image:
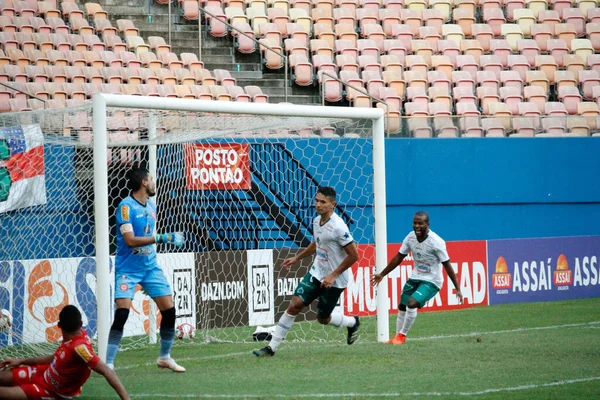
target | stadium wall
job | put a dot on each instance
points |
(473, 189)
(494, 188)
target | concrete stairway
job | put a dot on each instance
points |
(152, 19)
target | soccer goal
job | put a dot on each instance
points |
(239, 179)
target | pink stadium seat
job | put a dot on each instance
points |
(433, 18)
(75, 75)
(369, 63)
(373, 81)
(438, 79)
(541, 34)
(256, 94)
(325, 63)
(519, 64)
(511, 96)
(570, 97)
(394, 80)
(554, 108)
(494, 17)
(332, 89)
(536, 95)
(131, 76)
(368, 47)
(587, 81)
(493, 127)
(417, 94)
(39, 25)
(463, 95)
(36, 74)
(441, 96)
(237, 94)
(537, 78)
(501, 49)
(529, 49)
(575, 17)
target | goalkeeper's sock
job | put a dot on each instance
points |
(400, 320)
(341, 320)
(166, 341)
(283, 326)
(409, 319)
(114, 338)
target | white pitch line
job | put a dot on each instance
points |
(360, 395)
(436, 337)
(536, 328)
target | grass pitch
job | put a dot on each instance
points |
(524, 351)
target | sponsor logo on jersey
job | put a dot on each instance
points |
(125, 213)
(84, 353)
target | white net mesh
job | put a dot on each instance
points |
(241, 187)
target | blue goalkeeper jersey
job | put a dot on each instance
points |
(142, 219)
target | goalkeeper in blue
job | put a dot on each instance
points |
(135, 263)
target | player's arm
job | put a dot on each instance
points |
(452, 276)
(394, 262)
(351, 257)
(15, 362)
(111, 378)
(310, 250)
(125, 225)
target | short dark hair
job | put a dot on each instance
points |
(327, 191)
(135, 176)
(422, 214)
(69, 319)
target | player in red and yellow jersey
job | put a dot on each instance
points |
(62, 374)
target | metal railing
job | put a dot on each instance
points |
(360, 90)
(280, 54)
(24, 92)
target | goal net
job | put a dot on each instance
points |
(240, 185)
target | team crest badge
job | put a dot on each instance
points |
(124, 287)
(22, 374)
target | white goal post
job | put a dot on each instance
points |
(101, 103)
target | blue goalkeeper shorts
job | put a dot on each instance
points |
(153, 280)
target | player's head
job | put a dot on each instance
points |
(325, 200)
(69, 319)
(139, 178)
(421, 224)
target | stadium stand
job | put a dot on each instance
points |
(498, 59)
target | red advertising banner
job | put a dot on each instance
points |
(217, 166)
(468, 258)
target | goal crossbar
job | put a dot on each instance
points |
(101, 102)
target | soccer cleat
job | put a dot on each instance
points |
(264, 352)
(169, 363)
(398, 339)
(353, 331)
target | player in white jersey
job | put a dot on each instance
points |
(429, 254)
(327, 278)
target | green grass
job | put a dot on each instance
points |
(481, 360)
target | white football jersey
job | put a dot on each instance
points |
(428, 257)
(330, 238)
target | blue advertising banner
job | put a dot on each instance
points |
(548, 269)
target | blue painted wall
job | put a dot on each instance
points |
(495, 188)
(472, 189)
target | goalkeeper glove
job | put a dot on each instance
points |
(175, 238)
